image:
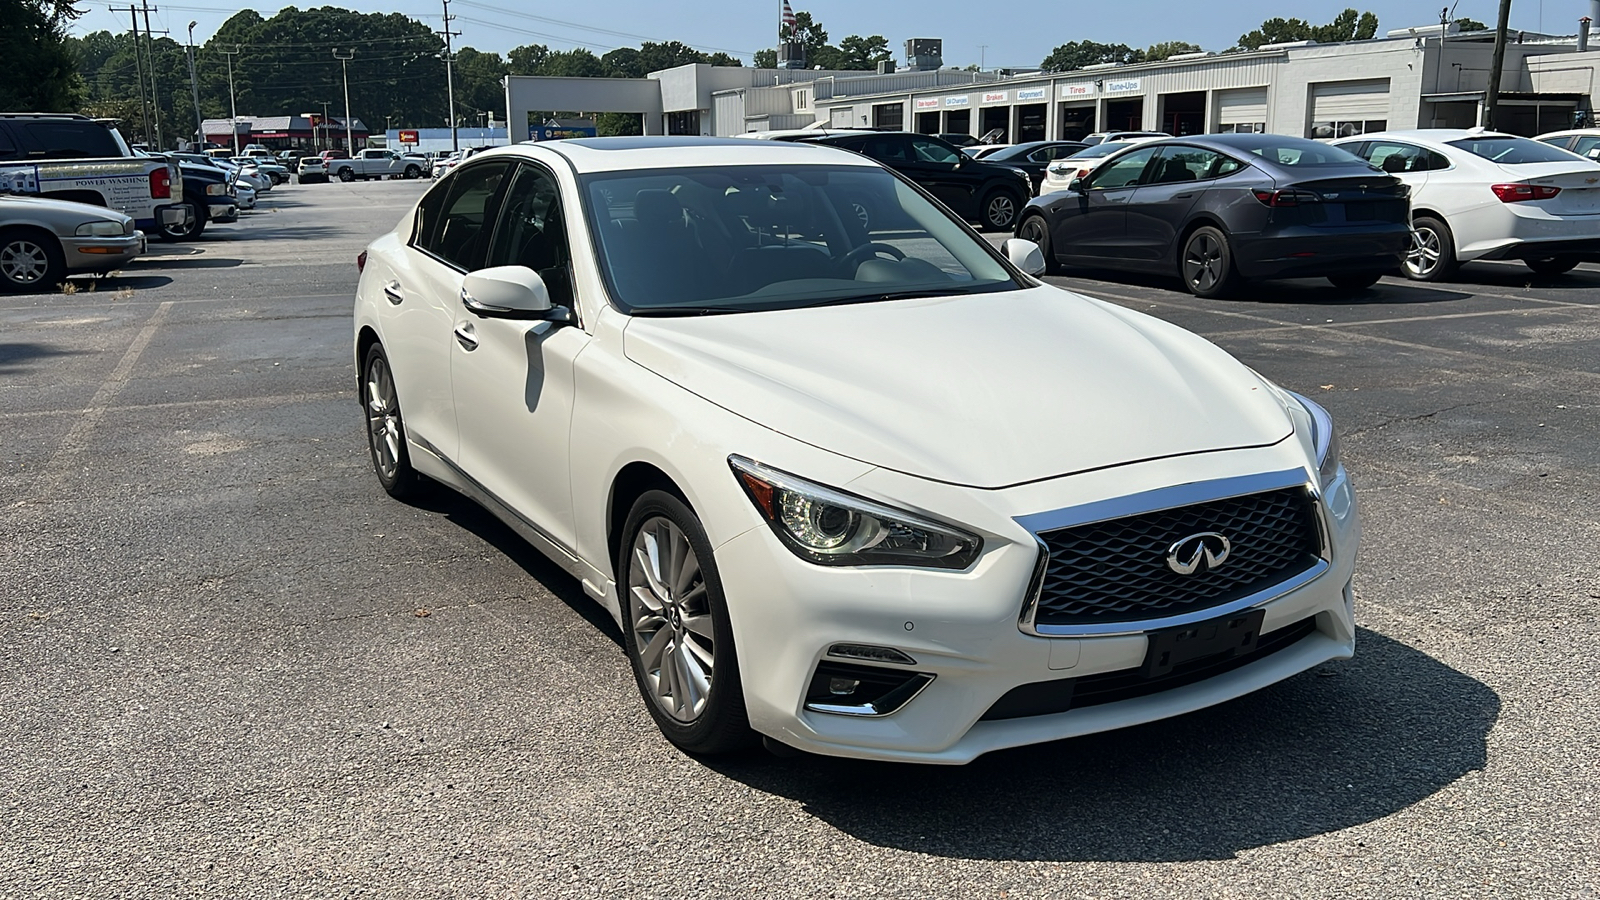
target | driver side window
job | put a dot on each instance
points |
(1123, 171)
(532, 233)
(930, 152)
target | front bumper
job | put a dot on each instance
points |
(962, 628)
(101, 254)
(223, 212)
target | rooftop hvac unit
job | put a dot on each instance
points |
(924, 54)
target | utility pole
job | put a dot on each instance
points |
(138, 65)
(155, 86)
(325, 140)
(344, 63)
(233, 109)
(194, 86)
(1498, 65)
(450, 76)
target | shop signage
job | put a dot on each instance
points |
(1127, 84)
(997, 97)
(927, 103)
(1034, 94)
(962, 100)
(1069, 91)
(408, 137)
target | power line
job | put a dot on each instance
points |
(582, 27)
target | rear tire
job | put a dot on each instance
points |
(347, 175)
(676, 630)
(30, 260)
(413, 172)
(1432, 256)
(1206, 263)
(1035, 228)
(1553, 265)
(1355, 281)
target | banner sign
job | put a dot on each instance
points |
(1069, 91)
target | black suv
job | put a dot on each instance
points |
(978, 191)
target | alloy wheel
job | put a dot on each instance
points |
(670, 614)
(24, 262)
(383, 418)
(1032, 230)
(1002, 211)
(1423, 257)
(1202, 262)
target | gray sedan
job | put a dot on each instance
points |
(42, 241)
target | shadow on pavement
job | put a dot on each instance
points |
(1305, 757)
(1518, 276)
(131, 282)
(1297, 290)
(17, 354)
(474, 518)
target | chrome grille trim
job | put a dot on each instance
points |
(1161, 499)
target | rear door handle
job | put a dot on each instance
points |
(467, 336)
(392, 291)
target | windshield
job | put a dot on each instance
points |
(1512, 151)
(745, 238)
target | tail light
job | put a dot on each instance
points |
(1290, 197)
(161, 184)
(361, 261)
(1520, 193)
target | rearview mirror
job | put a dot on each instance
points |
(1025, 255)
(510, 292)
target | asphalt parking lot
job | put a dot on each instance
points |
(231, 666)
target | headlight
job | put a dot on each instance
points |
(217, 189)
(832, 528)
(1323, 437)
(100, 229)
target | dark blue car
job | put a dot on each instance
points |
(1216, 210)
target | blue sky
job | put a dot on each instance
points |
(1019, 32)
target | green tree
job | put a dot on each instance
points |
(765, 59)
(478, 87)
(1168, 49)
(1349, 25)
(1466, 24)
(1077, 54)
(40, 70)
(864, 52)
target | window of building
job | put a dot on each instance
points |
(1327, 131)
(1243, 128)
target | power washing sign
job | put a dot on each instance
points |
(19, 179)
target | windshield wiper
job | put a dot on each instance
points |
(665, 311)
(894, 295)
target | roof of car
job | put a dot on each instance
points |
(1428, 135)
(609, 154)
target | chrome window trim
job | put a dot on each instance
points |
(1157, 500)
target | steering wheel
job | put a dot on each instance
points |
(850, 261)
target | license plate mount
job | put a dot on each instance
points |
(1223, 637)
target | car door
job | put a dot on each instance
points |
(1090, 226)
(512, 380)
(1178, 175)
(423, 297)
(944, 172)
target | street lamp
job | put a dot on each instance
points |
(233, 108)
(344, 63)
(194, 86)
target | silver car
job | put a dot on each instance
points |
(42, 241)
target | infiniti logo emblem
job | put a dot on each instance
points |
(1197, 552)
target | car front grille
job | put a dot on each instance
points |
(1116, 571)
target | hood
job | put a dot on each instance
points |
(19, 206)
(983, 390)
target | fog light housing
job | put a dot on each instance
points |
(843, 689)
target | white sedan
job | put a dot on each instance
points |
(1480, 195)
(1059, 175)
(877, 494)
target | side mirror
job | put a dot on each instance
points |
(1025, 255)
(1594, 153)
(510, 292)
(1076, 186)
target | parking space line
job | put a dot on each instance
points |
(237, 402)
(55, 473)
(351, 294)
(1438, 318)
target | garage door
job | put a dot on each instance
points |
(1343, 108)
(1243, 110)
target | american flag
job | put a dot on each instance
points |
(786, 27)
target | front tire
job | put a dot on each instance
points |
(30, 260)
(998, 211)
(1034, 228)
(1432, 256)
(676, 629)
(1207, 263)
(1553, 265)
(386, 428)
(197, 225)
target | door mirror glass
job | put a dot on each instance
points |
(506, 292)
(1076, 186)
(1025, 255)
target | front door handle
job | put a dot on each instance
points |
(467, 336)
(392, 291)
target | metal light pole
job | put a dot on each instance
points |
(233, 109)
(194, 86)
(344, 63)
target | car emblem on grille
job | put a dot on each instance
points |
(1208, 548)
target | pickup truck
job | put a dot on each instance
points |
(72, 157)
(374, 164)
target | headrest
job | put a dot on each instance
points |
(656, 207)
